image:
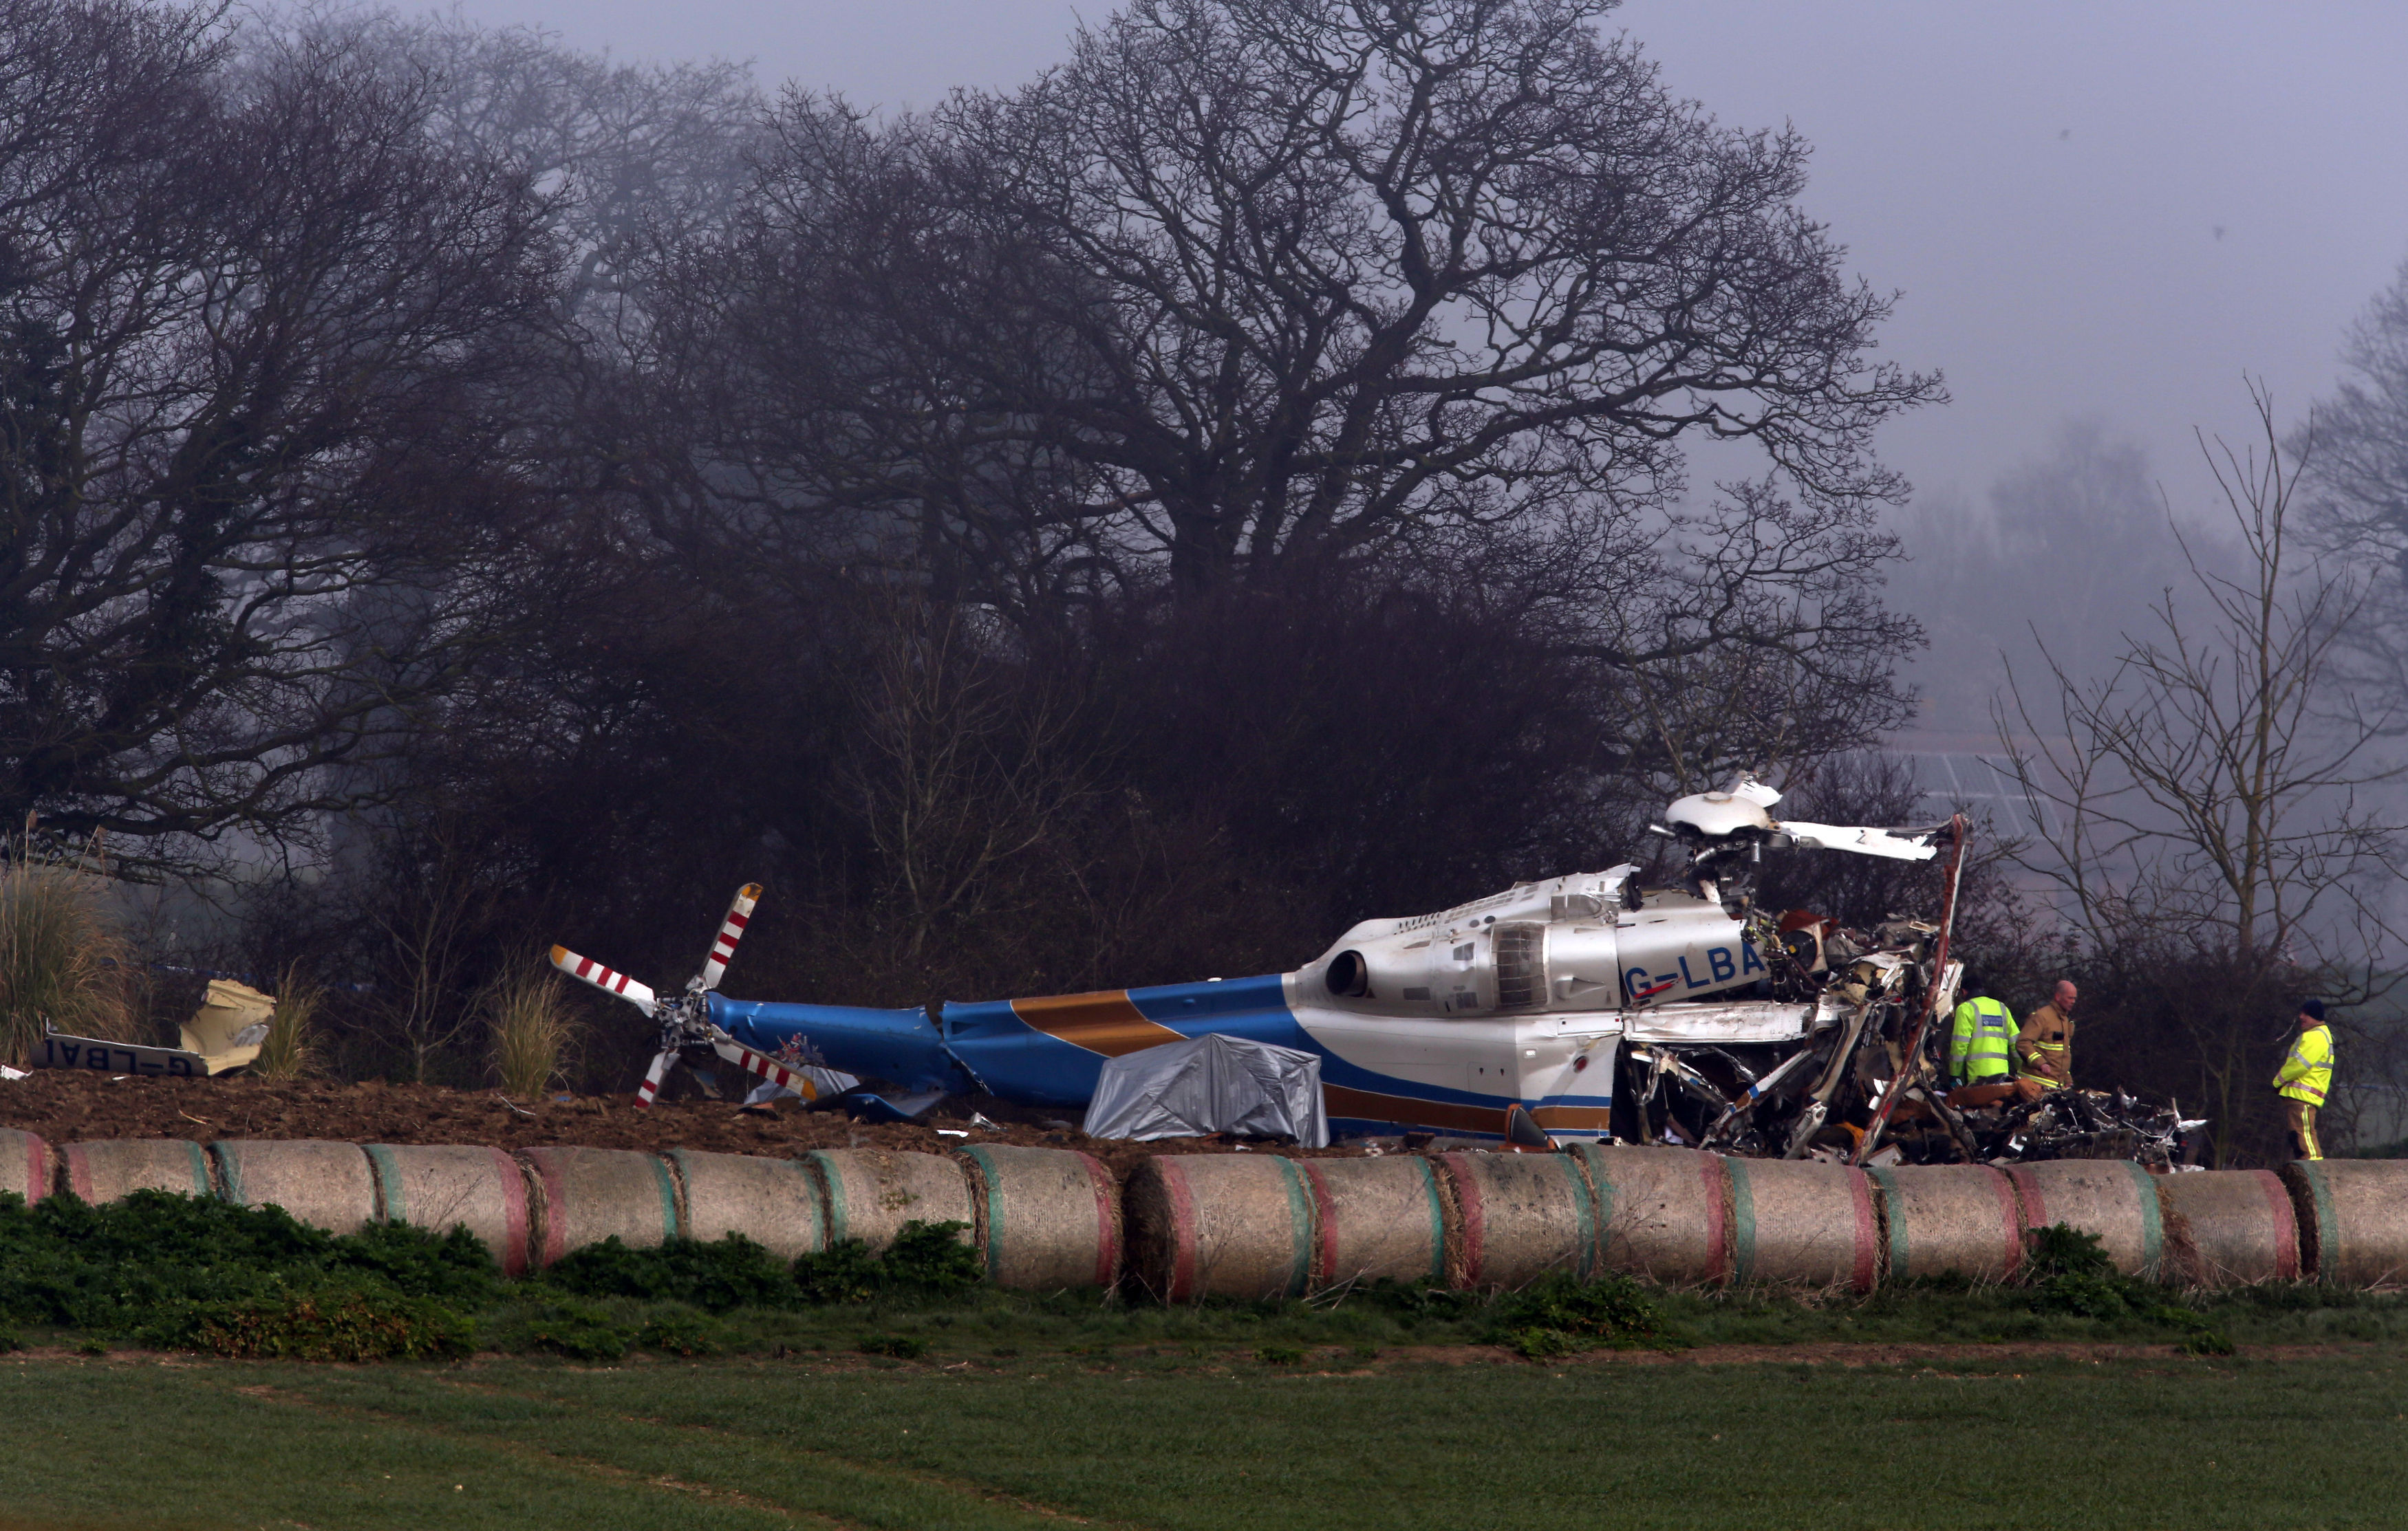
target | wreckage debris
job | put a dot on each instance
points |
(225, 1033)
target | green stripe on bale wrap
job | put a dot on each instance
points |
(1664, 1213)
(1521, 1216)
(324, 1184)
(2355, 1217)
(590, 1194)
(776, 1203)
(2112, 1199)
(1951, 1220)
(870, 1193)
(458, 1185)
(1376, 1219)
(1795, 1221)
(1219, 1225)
(2228, 1227)
(1051, 1215)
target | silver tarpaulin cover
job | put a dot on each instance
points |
(1213, 1084)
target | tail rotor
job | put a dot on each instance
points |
(686, 1028)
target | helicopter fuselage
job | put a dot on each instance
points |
(1437, 1022)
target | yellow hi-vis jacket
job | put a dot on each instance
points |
(1979, 1037)
(2307, 1073)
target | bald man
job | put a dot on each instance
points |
(2044, 1047)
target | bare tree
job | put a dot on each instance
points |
(1255, 284)
(2358, 487)
(628, 158)
(254, 336)
(960, 769)
(2210, 790)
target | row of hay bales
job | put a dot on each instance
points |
(1258, 1226)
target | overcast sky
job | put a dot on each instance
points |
(2094, 208)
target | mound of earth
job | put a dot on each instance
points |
(71, 1106)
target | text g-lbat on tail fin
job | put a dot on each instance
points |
(1592, 1005)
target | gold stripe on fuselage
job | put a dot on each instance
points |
(1105, 1023)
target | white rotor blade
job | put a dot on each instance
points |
(662, 1063)
(602, 978)
(731, 930)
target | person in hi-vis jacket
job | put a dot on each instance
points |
(2305, 1075)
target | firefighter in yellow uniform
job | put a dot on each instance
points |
(2044, 1047)
(2305, 1075)
(1981, 1038)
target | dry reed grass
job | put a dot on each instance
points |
(62, 962)
(527, 1010)
(291, 1044)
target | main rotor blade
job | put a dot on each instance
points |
(662, 1062)
(731, 930)
(602, 978)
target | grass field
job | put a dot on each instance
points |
(1202, 1440)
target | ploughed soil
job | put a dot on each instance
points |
(71, 1106)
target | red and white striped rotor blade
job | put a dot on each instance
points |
(650, 1088)
(602, 978)
(731, 930)
(806, 1081)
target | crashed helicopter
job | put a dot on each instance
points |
(1583, 1007)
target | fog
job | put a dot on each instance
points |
(2102, 216)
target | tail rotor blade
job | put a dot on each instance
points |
(808, 1080)
(662, 1062)
(731, 930)
(603, 978)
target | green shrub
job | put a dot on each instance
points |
(927, 1259)
(2207, 1341)
(453, 1265)
(291, 1045)
(683, 1331)
(527, 1011)
(144, 1261)
(1280, 1355)
(336, 1322)
(1612, 1311)
(1533, 1343)
(580, 1331)
(2070, 1273)
(1422, 1299)
(724, 1274)
(901, 1347)
(177, 1270)
(2062, 1249)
